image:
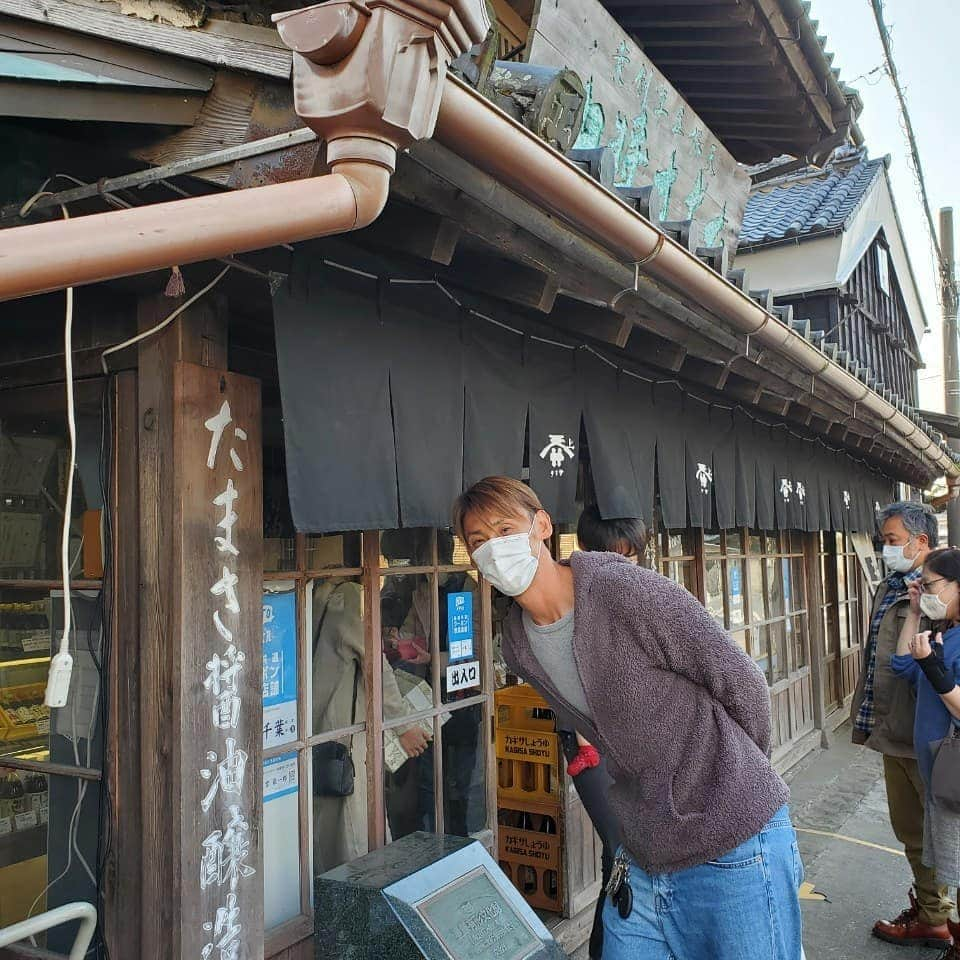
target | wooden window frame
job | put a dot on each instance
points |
(370, 575)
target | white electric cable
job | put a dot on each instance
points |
(163, 323)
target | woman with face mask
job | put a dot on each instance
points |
(933, 669)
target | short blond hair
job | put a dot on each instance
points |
(494, 495)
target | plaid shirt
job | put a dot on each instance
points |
(896, 585)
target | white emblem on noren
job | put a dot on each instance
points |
(558, 449)
(704, 477)
(846, 499)
(786, 489)
(801, 492)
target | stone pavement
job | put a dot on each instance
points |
(850, 855)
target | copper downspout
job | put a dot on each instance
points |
(49, 256)
(474, 128)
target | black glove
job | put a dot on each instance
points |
(934, 669)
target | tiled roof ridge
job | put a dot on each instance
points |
(811, 202)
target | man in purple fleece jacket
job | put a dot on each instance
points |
(682, 716)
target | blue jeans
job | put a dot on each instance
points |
(741, 906)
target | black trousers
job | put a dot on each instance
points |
(592, 787)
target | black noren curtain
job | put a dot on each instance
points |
(422, 326)
(496, 401)
(766, 472)
(671, 458)
(555, 410)
(699, 462)
(724, 467)
(746, 470)
(608, 412)
(335, 389)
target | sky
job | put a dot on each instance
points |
(925, 50)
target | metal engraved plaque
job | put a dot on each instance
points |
(473, 921)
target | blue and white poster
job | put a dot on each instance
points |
(279, 668)
(460, 625)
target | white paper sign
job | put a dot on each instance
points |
(26, 820)
(462, 676)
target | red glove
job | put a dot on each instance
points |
(586, 758)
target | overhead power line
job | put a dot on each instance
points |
(944, 272)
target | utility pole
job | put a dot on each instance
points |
(951, 364)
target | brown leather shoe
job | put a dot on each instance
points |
(909, 931)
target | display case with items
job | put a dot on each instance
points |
(24, 662)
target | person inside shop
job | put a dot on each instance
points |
(882, 716)
(628, 538)
(931, 669)
(339, 700)
(708, 865)
(463, 782)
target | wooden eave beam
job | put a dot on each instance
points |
(506, 279)
(691, 36)
(414, 231)
(667, 16)
(590, 320)
(794, 55)
(692, 56)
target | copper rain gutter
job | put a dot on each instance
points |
(370, 78)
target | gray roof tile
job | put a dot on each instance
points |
(809, 203)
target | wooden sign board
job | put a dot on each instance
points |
(654, 135)
(219, 542)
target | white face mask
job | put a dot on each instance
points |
(893, 557)
(932, 607)
(508, 562)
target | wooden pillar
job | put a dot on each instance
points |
(811, 567)
(122, 880)
(373, 683)
(200, 643)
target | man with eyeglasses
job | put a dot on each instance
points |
(882, 715)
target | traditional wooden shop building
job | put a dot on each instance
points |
(524, 268)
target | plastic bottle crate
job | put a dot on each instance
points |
(528, 766)
(522, 708)
(530, 852)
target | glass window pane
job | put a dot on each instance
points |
(740, 639)
(339, 822)
(711, 545)
(841, 568)
(757, 606)
(280, 723)
(798, 585)
(844, 629)
(281, 840)
(24, 814)
(714, 590)
(754, 543)
(800, 640)
(567, 543)
(406, 620)
(464, 772)
(279, 554)
(459, 641)
(758, 649)
(771, 543)
(408, 780)
(675, 544)
(682, 572)
(778, 645)
(460, 556)
(774, 588)
(732, 543)
(735, 593)
(34, 460)
(333, 551)
(407, 548)
(337, 651)
(30, 623)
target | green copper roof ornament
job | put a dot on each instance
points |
(664, 180)
(714, 227)
(591, 133)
